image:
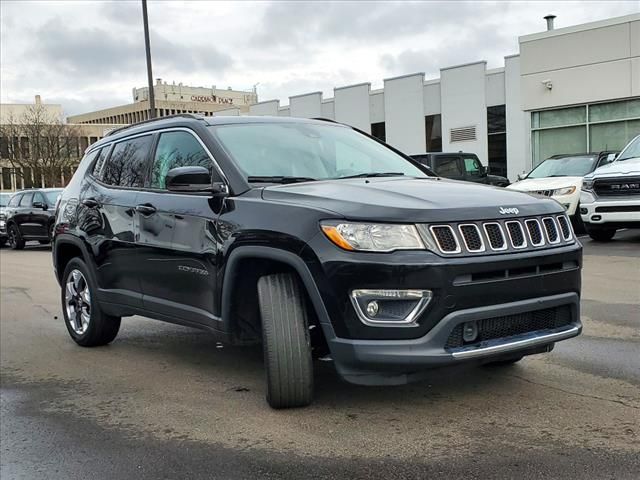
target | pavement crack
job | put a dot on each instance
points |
(569, 392)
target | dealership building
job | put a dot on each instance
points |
(568, 90)
(172, 99)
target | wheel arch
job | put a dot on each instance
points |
(67, 247)
(248, 263)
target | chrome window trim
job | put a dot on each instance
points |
(542, 235)
(505, 245)
(482, 247)
(453, 232)
(555, 225)
(524, 236)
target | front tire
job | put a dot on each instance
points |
(601, 234)
(87, 324)
(16, 242)
(286, 341)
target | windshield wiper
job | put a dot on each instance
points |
(376, 174)
(279, 179)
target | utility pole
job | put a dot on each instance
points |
(147, 47)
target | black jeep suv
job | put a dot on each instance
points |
(315, 240)
(29, 215)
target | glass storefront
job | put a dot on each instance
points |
(586, 128)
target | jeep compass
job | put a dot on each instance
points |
(314, 240)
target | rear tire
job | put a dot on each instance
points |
(286, 342)
(601, 234)
(87, 324)
(16, 242)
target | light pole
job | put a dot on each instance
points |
(147, 47)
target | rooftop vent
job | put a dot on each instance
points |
(549, 18)
(462, 134)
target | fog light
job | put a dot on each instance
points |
(469, 331)
(383, 308)
(583, 211)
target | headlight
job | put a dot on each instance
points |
(587, 184)
(564, 191)
(373, 237)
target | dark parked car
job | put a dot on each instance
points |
(314, 240)
(4, 200)
(30, 216)
(460, 166)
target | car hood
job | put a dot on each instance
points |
(548, 183)
(397, 199)
(624, 167)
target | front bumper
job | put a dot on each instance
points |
(398, 361)
(3, 229)
(601, 210)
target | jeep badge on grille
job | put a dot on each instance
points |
(507, 211)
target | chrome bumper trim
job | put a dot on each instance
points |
(532, 341)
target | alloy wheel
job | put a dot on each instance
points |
(78, 302)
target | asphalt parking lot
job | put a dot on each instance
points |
(164, 401)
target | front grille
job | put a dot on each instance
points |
(617, 186)
(546, 193)
(495, 236)
(510, 325)
(498, 236)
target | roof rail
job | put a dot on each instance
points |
(182, 115)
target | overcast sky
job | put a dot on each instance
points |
(89, 55)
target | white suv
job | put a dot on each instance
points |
(610, 197)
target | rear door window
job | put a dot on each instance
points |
(127, 165)
(448, 167)
(26, 200)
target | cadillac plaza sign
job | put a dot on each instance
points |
(211, 99)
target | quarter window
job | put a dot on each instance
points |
(128, 163)
(178, 149)
(97, 166)
(15, 200)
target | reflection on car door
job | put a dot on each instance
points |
(107, 205)
(40, 215)
(175, 234)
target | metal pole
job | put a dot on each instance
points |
(147, 47)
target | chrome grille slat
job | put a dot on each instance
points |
(446, 238)
(497, 243)
(516, 234)
(472, 237)
(565, 227)
(536, 237)
(551, 230)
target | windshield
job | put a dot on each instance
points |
(4, 199)
(305, 151)
(631, 151)
(52, 196)
(564, 167)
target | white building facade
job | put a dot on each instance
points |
(569, 90)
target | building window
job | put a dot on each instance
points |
(379, 131)
(497, 139)
(6, 178)
(433, 131)
(586, 128)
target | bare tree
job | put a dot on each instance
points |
(41, 144)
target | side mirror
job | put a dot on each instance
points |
(193, 179)
(41, 205)
(520, 177)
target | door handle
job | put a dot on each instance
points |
(90, 202)
(146, 209)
